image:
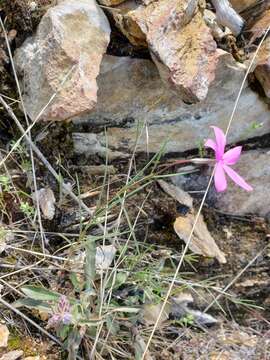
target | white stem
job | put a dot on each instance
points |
(228, 17)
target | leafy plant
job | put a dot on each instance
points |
(27, 209)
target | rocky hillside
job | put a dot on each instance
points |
(107, 206)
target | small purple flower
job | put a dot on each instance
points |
(224, 160)
(66, 319)
(61, 313)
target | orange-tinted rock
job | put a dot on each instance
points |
(180, 43)
(59, 65)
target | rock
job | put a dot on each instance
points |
(180, 42)
(64, 58)
(138, 96)
(88, 144)
(262, 69)
(254, 168)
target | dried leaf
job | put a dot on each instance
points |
(4, 333)
(151, 312)
(104, 256)
(202, 242)
(12, 355)
(46, 201)
(177, 193)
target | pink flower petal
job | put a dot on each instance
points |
(237, 178)
(219, 177)
(221, 142)
(211, 144)
(232, 156)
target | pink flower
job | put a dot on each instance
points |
(224, 160)
(61, 313)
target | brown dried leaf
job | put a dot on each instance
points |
(46, 201)
(177, 193)
(202, 242)
(4, 333)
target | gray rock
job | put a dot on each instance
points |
(59, 65)
(254, 167)
(131, 92)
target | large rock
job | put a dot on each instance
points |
(254, 167)
(181, 44)
(64, 57)
(131, 92)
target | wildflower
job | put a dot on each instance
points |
(61, 313)
(224, 160)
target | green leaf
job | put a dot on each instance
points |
(63, 332)
(78, 286)
(90, 263)
(120, 279)
(33, 304)
(40, 293)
